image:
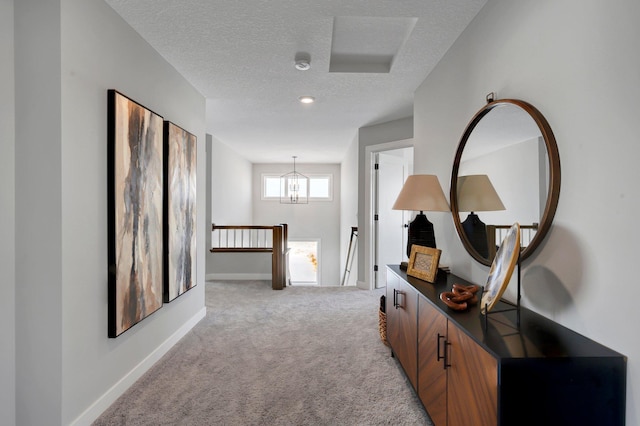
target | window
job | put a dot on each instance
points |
(270, 187)
(320, 187)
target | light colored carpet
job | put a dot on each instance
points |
(300, 356)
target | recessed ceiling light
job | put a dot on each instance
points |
(307, 99)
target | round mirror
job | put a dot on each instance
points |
(506, 170)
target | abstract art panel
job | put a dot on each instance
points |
(179, 210)
(135, 185)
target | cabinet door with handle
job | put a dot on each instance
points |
(432, 359)
(473, 382)
(401, 309)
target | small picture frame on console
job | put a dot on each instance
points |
(423, 263)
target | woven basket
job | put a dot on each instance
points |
(382, 326)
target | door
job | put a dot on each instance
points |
(391, 235)
(472, 382)
(402, 311)
(432, 375)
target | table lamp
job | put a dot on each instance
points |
(421, 193)
(477, 194)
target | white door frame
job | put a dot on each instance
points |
(368, 242)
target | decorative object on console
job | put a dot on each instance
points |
(180, 166)
(421, 193)
(294, 187)
(423, 263)
(460, 297)
(477, 194)
(502, 268)
(135, 215)
(382, 320)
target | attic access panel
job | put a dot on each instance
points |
(367, 44)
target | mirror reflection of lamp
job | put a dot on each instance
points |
(421, 193)
(477, 194)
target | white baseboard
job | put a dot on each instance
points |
(214, 277)
(109, 397)
(363, 285)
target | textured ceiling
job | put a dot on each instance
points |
(240, 55)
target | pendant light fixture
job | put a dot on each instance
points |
(294, 187)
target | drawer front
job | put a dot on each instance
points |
(473, 382)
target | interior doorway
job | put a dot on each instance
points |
(391, 169)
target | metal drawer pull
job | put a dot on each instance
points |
(396, 303)
(438, 356)
(446, 354)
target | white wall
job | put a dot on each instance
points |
(578, 62)
(231, 194)
(231, 204)
(318, 219)
(349, 210)
(7, 216)
(38, 231)
(67, 370)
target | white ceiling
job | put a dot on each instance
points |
(367, 59)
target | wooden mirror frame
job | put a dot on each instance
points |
(554, 177)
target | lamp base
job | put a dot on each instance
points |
(476, 232)
(420, 233)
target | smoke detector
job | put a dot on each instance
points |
(303, 65)
(303, 62)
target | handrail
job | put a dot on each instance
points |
(214, 226)
(256, 239)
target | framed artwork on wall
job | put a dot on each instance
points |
(423, 263)
(180, 166)
(135, 212)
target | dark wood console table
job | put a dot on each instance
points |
(468, 372)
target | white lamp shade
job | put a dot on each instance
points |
(477, 194)
(422, 193)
